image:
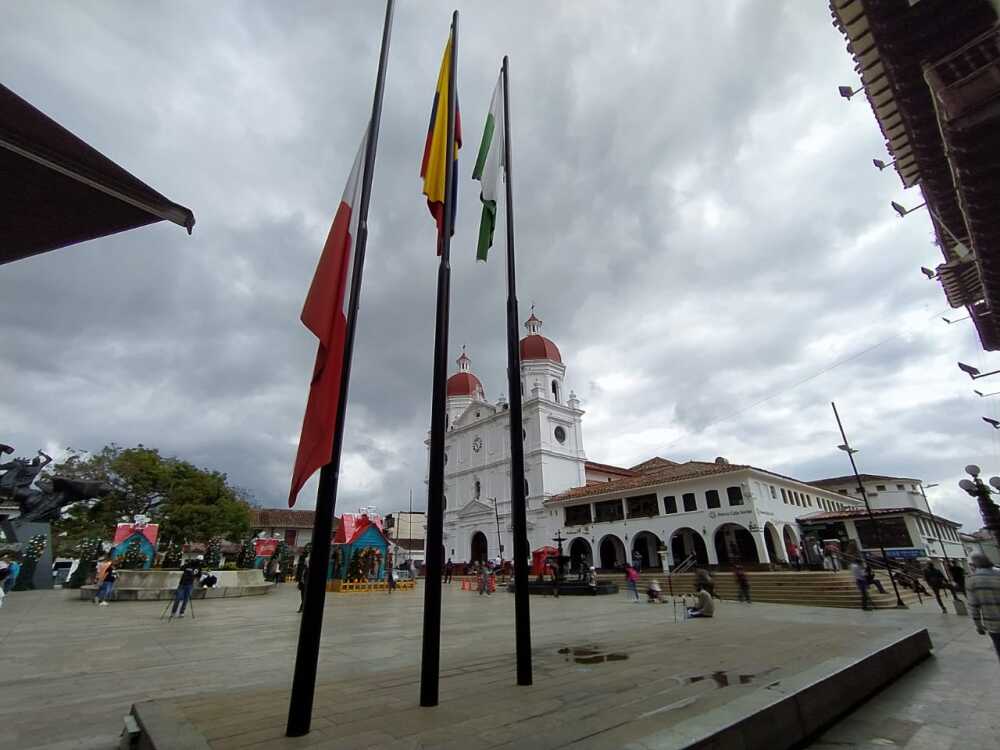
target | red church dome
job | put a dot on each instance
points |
(539, 347)
(464, 384)
(535, 345)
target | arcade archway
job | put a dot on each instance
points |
(775, 548)
(612, 551)
(646, 543)
(580, 555)
(480, 548)
(686, 542)
(735, 545)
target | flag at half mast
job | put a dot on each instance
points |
(489, 166)
(432, 168)
(325, 314)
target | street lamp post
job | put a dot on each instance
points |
(846, 447)
(987, 508)
(496, 510)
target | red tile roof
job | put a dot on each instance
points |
(863, 513)
(656, 462)
(609, 469)
(652, 478)
(537, 346)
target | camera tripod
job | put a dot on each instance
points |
(170, 603)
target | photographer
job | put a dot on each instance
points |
(190, 573)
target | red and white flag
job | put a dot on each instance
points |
(325, 314)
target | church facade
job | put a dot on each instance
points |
(658, 511)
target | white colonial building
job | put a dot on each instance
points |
(712, 511)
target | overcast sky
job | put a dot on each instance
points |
(698, 223)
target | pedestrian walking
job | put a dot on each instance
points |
(861, 581)
(742, 584)
(449, 568)
(592, 580)
(302, 580)
(632, 580)
(935, 579)
(793, 555)
(4, 573)
(190, 573)
(958, 576)
(390, 579)
(636, 559)
(983, 597)
(13, 569)
(484, 580)
(872, 580)
(106, 577)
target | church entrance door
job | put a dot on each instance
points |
(479, 548)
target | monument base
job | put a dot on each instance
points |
(153, 585)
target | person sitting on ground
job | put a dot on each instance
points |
(705, 607)
(653, 592)
(703, 581)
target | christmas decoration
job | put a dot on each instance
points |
(171, 556)
(247, 556)
(88, 551)
(213, 554)
(134, 558)
(31, 553)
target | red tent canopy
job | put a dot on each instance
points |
(538, 559)
(56, 190)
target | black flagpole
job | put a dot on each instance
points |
(430, 662)
(307, 655)
(522, 611)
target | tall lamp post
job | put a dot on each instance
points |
(496, 511)
(987, 508)
(846, 447)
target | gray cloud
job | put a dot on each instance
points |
(697, 222)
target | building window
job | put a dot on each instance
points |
(555, 391)
(689, 502)
(444, 502)
(578, 515)
(900, 486)
(476, 489)
(880, 487)
(784, 496)
(712, 498)
(560, 434)
(609, 510)
(774, 495)
(643, 506)
(526, 493)
(670, 504)
(735, 495)
(809, 500)
(913, 487)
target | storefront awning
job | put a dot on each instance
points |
(56, 190)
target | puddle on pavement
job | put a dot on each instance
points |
(722, 678)
(590, 655)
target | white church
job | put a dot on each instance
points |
(709, 512)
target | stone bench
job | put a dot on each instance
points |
(153, 585)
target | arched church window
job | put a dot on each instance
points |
(560, 434)
(476, 488)
(444, 502)
(526, 488)
(555, 391)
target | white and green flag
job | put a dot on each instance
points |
(489, 164)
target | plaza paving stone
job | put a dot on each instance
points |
(71, 670)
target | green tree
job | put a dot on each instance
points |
(189, 504)
(213, 554)
(171, 556)
(88, 550)
(247, 556)
(33, 551)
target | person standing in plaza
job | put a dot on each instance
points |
(983, 597)
(106, 577)
(935, 579)
(390, 578)
(13, 569)
(632, 580)
(302, 580)
(742, 583)
(449, 568)
(4, 573)
(592, 580)
(861, 581)
(190, 573)
(793, 555)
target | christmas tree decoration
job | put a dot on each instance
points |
(134, 558)
(171, 556)
(88, 551)
(247, 556)
(213, 554)
(32, 552)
